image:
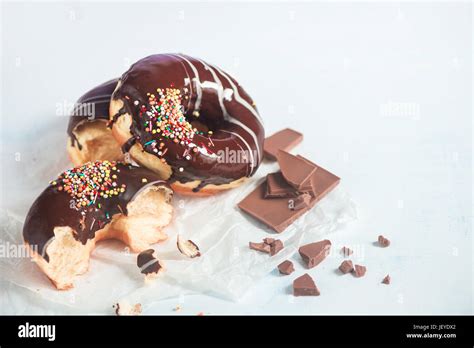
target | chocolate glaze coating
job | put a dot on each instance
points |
(96, 101)
(54, 208)
(147, 262)
(222, 105)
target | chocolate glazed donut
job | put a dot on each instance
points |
(89, 137)
(188, 121)
(96, 201)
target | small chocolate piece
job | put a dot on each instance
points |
(346, 251)
(286, 267)
(275, 247)
(148, 263)
(263, 247)
(274, 212)
(305, 286)
(300, 202)
(346, 266)
(188, 247)
(386, 280)
(285, 139)
(278, 187)
(296, 171)
(268, 241)
(359, 271)
(384, 242)
(314, 253)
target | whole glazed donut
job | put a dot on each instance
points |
(99, 200)
(188, 121)
(89, 137)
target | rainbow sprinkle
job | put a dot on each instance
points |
(88, 182)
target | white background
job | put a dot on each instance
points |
(382, 93)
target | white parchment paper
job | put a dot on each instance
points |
(227, 267)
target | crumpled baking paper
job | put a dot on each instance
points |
(227, 268)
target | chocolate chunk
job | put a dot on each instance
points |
(359, 271)
(346, 251)
(314, 253)
(300, 202)
(274, 212)
(286, 267)
(305, 286)
(384, 242)
(322, 181)
(268, 241)
(296, 171)
(278, 187)
(285, 139)
(346, 266)
(275, 247)
(386, 280)
(263, 247)
(148, 263)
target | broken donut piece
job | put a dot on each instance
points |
(305, 286)
(98, 200)
(149, 264)
(188, 247)
(314, 253)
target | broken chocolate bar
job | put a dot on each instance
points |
(296, 171)
(285, 139)
(314, 253)
(286, 267)
(278, 187)
(346, 266)
(274, 212)
(359, 271)
(384, 242)
(300, 202)
(305, 286)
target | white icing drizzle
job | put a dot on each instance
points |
(196, 80)
(220, 94)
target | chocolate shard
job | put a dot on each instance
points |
(300, 202)
(274, 212)
(346, 251)
(305, 286)
(268, 241)
(275, 247)
(359, 271)
(286, 267)
(387, 280)
(384, 242)
(148, 263)
(286, 139)
(346, 266)
(314, 253)
(263, 247)
(296, 171)
(278, 187)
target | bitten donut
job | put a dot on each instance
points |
(96, 201)
(89, 137)
(188, 121)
